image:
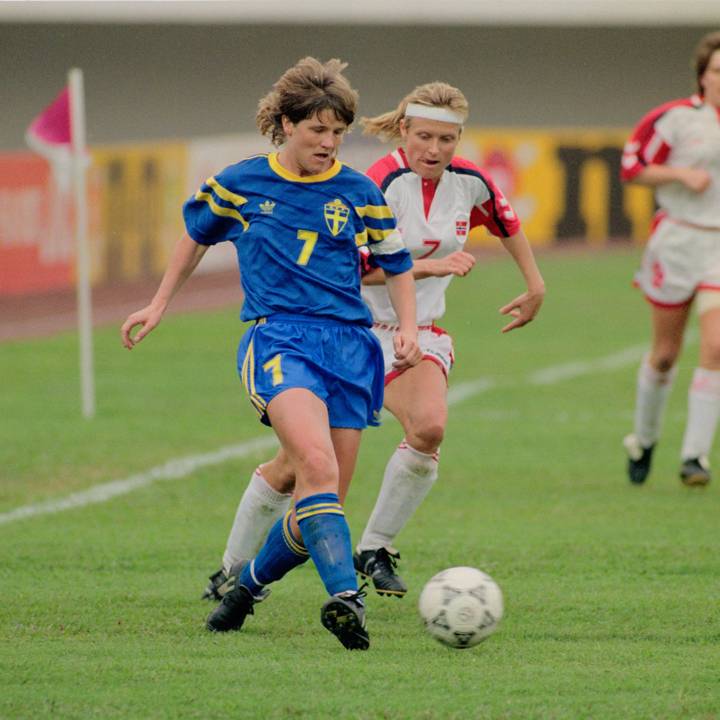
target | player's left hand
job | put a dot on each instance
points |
(523, 308)
(407, 350)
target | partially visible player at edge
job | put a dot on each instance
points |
(437, 198)
(310, 364)
(676, 150)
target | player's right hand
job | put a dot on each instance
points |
(407, 350)
(149, 318)
(459, 263)
(695, 179)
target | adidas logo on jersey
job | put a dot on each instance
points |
(267, 207)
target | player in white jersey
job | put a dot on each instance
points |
(437, 198)
(676, 149)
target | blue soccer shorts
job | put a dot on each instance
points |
(341, 363)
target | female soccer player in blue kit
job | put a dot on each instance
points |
(310, 364)
(437, 197)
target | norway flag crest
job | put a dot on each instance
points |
(461, 228)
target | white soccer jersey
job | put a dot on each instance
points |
(681, 133)
(434, 221)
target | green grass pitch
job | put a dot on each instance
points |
(611, 591)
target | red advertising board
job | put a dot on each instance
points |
(35, 242)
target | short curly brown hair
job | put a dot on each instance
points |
(307, 88)
(706, 47)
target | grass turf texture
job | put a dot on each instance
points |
(611, 590)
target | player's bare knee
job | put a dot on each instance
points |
(316, 466)
(427, 436)
(284, 482)
(664, 360)
(285, 476)
(279, 473)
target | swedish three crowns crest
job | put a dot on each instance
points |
(336, 216)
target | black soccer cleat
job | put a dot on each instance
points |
(344, 616)
(379, 566)
(639, 459)
(695, 472)
(235, 606)
(216, 587)
(220, 583)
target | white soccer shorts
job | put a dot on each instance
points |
(435, 343)
(679, 261)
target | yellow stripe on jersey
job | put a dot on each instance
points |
(379, 235)
(361, 238)
(391, 243)
(379, 212)
(224, 193)
(221, 210)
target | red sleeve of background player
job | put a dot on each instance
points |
(495, 212)
(381, 170)
(646, 146)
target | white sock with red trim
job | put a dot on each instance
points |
(653, 388)
(703, 413)
(259, 509)
(409, 475)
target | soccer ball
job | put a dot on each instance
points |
(461, 606)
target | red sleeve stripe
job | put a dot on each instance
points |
(495, 214)
(645, 145)
(382, 169)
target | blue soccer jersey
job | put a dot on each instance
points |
(297, 237)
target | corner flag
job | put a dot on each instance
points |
(58, 134)
(50, 130)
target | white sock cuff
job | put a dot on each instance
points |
(652, 376)
(268, 493)
(706, 382)
(420, 457)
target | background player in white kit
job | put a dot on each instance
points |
(437, 198)
(676, 149)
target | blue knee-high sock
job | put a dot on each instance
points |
(281, 552)
(327, 537)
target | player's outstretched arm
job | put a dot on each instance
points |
(184, 259)
(459, 263)
(524, 307)
(694, 179)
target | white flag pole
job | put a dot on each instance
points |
(84, 302)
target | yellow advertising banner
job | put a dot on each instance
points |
(564, 184)
(136, 197)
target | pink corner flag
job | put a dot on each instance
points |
(51, 128)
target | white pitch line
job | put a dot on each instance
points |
(568, 371)
(614, 361)
(464, 390)
(182, 467)
(171, 470)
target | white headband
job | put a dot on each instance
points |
(433, 113)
